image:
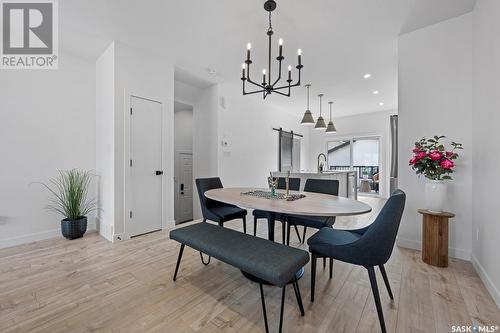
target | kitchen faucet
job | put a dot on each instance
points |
(320, 169)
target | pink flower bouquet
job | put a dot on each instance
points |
(433, 160)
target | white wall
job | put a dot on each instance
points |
(183, 122)
(246, 123)
(486, 106)
(105, 140)
(362, 125)
(205, 138)
(140, 73)
(435, 98)
(47, 123)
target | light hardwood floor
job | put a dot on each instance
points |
(92, 285)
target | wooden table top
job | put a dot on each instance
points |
(314, 204)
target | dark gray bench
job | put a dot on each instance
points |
(269, 262)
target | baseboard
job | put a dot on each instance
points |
(417, 245)
(37, 236)
(490, 286)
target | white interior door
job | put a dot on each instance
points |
(184, 209)
(145, 166)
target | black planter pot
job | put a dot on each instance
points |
(74, 229)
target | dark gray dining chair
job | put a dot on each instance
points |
(271, 217)
(368, 247)
(323, 186)
(214, 210)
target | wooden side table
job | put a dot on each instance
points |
(435, 237)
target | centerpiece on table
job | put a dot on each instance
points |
(436, 162)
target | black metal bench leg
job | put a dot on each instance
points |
(203, 262)
(313, 275)
(283, 231)
(324, 262)
(263, 306)
(244, 224)
(255, 226)
(181, 250)
(204, 220)
(282, 307)
(376, 296)
(298, 296)
(304, 235)
(386, 280)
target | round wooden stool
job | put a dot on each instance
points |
(435, 237)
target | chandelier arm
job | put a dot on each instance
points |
(287, 86)
(253, 92)
(281, 93)
(250, 80)
(279, 75)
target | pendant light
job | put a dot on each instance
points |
(308, 119)
(320, 123)
(331, 127)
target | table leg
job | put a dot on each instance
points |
(270, 229)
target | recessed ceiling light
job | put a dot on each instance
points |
(381, 103)
(367, 76)
(375, 92)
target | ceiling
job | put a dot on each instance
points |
(341, 40)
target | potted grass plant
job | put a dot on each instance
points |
(69, 197)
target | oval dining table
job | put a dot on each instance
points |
(313, 204)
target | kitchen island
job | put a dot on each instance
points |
(347, 180)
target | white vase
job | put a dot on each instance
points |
(435, 195)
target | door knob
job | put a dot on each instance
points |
(159, 172)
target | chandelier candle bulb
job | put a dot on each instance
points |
(263, 76)
(299, 53)
(249, 47)
(243, 71)
(290, 73)
(280, 42)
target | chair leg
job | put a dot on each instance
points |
(221, 224)
(255, 226)
(386, 280)
(181, 250)
(204, 220)
(244, 224)
(297, 232)
(288, 227)
(298, 296)
(263, 306)
(376, 297)
(331, 268)
(313, 275)
(282, 307)
(324, 262)
(203, 262)
(304, 235)
(283, 231)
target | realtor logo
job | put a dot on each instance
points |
(29, 38)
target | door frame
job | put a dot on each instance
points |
(127, 181)
(177, 176)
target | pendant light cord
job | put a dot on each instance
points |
(308, 97)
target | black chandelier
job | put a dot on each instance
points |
(267, 86)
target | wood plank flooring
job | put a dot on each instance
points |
(91, 285)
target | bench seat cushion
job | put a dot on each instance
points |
(272, 262)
